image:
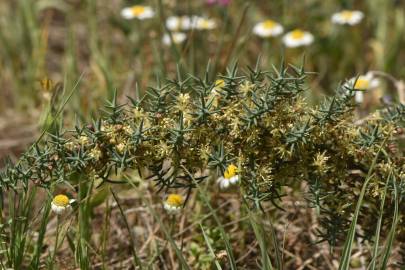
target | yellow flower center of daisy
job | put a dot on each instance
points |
(61, 200)
(174, 200)
(269, 24)
(346, 14)
(205, 24)
(138, 10)
(230, 171)
(362, 84)
(220, 83)
(297, 34)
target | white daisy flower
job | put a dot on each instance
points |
(361, 84)
(61, 203)
(215, 94)
(178, 23)
(268, 28)
(178, 37)
(219, 84)
(350, 17)
(230, 177)
(201, 23)
(138, 12)
(173, 203)
(297, 38)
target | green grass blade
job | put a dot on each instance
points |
(178, 252)
(348, 246)
(347, 250)
(137, 261)
(261, 237)
(391, 234)
(378, 229)
(207, 241)
(41, 235)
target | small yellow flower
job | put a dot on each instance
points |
(364, 82)
(128, 130)
(297, 34)
(184, 23)
(184, 98)
(216, 91)
(121, 148)
(61, 203)
(297, 38)
(349, 17)
(320, 162)
(220, 83)
(230, 177)
(47, 86)
(230, 171)
(361, 84)
(96, 153)
(84, 140)
(218, 86)
(138, 113)
(205, 23)
(246, 87)
(268, 28)
(269, 24)
(176, 23)
(139, 12)
(183, 103)
(173, 203)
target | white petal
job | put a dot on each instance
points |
(260, 30)
(308, 39)
(191, 23)
(58, 209)
(173, 210)
(149, 13)
(355, 18)
(234, 179)
(359, 97)
(337, 18)
(291, 42)
(203, 23)
(127, 13)
(225, 184)
(374, 83)
(166, 206)
(173, 23)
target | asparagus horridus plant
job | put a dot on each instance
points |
(258, 121)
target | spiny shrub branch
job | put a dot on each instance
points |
(259, 121)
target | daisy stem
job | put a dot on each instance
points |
(56, 243)
(136, 260)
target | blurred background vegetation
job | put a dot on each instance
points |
(88, 43)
